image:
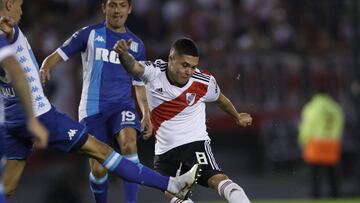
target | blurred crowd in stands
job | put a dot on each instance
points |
(267, 55)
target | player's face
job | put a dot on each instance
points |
(181, 68)
(116, 12)
(14, 9)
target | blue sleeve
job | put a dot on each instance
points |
(142, 54)
(3, 41)
(76, 43)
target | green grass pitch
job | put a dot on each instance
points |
(299, 201)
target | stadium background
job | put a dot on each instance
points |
(267, 55)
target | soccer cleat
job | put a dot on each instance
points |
(188, 180)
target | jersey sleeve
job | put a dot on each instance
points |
(213, 91)
(76, 43)
(142, 53)
(5, 50)
(137, 81)
(151, 70)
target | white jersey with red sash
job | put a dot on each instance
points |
(178, 113)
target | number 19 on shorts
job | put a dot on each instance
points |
(127, 116)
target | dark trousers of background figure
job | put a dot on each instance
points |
(332, 175)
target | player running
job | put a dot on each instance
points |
(106, 106)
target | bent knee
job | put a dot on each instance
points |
(127, 141)
(128, 148)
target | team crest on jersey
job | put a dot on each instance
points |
(190, 98)
(134, 46)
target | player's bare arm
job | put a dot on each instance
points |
(49, 62)
(243, 119)
(21, 89)
(128, 61)
(146, 125)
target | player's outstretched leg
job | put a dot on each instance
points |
(138, 173)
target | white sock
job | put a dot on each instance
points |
(177, 200)
(232, 192)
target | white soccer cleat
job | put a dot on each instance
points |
(187, 181)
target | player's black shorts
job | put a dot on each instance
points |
(187, 155)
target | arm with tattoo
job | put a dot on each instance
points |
(128, 62)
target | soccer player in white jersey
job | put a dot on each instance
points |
(9, 64)
(177, 92)
(107, 107)
(64, 134)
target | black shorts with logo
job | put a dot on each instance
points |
(187, 155)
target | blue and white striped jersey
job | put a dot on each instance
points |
(5, 51)
(14, 113)
(106, 84)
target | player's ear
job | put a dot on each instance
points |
(171, 54)
(130, 9)
(9, 4)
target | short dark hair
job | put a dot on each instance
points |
(105, 1)
(185, 46)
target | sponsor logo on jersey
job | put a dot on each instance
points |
(190, 98)
(72, 133)
(106, 55)
(99, 38)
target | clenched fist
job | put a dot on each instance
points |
(244, 119)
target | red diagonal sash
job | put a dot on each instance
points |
(170, 109)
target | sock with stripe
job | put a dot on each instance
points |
(131, 189)
(137, 173)
(99, 188)
(232, 192)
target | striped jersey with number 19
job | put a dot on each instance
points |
(106, 84)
